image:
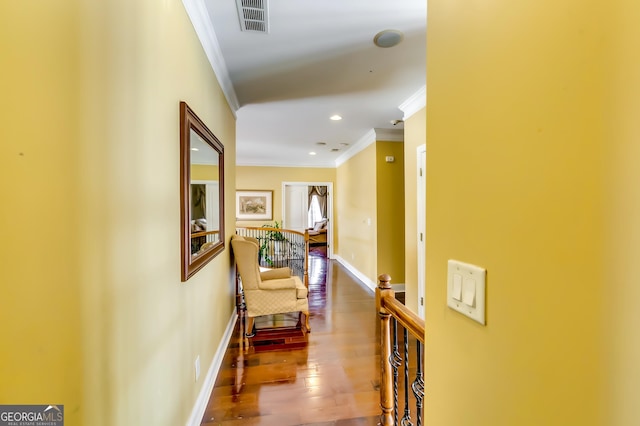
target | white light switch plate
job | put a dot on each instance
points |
(472, 302)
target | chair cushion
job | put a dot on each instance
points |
(319, 225)
(280, 284)
(301, 292)
(274, 274)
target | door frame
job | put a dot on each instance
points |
(209, 201)
(329, 186)
(421, 197)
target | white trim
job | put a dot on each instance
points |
(421, 195)
(329, 186)
(389, 135)
(415, 103)
(197, 12)
(370, 285)
(327, 165)
(372, 136)
(402, 288)
(207, 386)
(366, 140)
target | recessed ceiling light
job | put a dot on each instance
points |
(344, 144)
(388, 38)
(312, 153)
(335, 149)
(321, 143)
(335, 117)
(195, 149)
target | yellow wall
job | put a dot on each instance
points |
(515, 185)
(390, 209)
(271, 178)
(204, 172)
(356, 212)
(620, 111)
(90, 106)
(415, 129)
(41, 360)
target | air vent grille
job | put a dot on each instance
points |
(253, 15)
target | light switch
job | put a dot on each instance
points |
(457, 287)
(469, 292)
(466, 289)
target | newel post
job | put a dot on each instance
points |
(386, 377)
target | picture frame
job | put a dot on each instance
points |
(254, 205)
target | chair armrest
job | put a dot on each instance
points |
(274, 274)
(278, 284)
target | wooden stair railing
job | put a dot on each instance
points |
(392, 312)
(281, 247)
(200, 240)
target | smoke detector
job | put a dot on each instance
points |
(388, 38)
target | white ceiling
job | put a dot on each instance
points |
(318, 59)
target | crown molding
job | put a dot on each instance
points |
(328, 165)
(389, 135)
(415, 103)
(366, 140)
(373, 135)
(197, 12)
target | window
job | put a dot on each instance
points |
(314, 215)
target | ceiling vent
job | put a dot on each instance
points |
(253, 15)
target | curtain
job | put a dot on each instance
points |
(321, 192)
(198, 201)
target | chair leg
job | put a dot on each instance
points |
(249, 330)
(306, 321)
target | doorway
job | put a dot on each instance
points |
(298, 197)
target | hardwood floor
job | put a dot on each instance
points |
(329, 379)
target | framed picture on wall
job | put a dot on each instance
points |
(254, 205)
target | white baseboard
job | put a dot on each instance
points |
(399, 287)
(363, 278)
(207, 386)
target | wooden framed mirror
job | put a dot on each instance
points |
(201, 193)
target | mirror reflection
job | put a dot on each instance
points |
(202, 193)
(205, 193)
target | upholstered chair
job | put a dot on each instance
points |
(318, 234)
(267, 292)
